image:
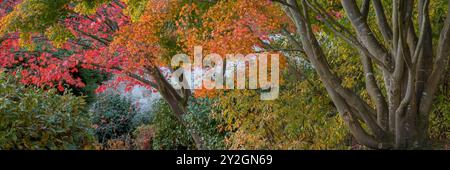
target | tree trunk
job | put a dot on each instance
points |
(177, 103)
(411, 70)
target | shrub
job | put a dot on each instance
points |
(200, 118)
(301, 118)
(166, 132)
(92, 79)
(113, 117)
(34, 118)
(440, 117)
(117, 144)
(143, 137)
(169, 133)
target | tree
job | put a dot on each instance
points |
(402, 71)
(53, 54)
(410, 66)
(96, 21)
(160, 31)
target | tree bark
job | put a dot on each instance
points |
(410, 70)
(177, 103)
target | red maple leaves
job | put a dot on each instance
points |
(44, 65)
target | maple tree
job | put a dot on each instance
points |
(171, 27)
(50, 57)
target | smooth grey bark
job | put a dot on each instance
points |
(178, 101)
(411, 71)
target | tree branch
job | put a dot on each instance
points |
(365, 34)
(365, 8)
(331, 82)
(383, 24)
(443, 54)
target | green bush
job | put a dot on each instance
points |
(169, 133)
(440, 117)
(33, 118)
(302, 117)
(201, 119)
(113, 117)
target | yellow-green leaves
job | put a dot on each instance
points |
(135, 8)
(43, 16)
(301, 118)
(25, 40)
(33, 16)
(58, 34)
(88, 7)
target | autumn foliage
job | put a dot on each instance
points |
(352, 49)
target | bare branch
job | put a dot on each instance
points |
(442, 58)
(365, 34)
(383, 24)
(365, 9)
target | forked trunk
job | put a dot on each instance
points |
(410, 68)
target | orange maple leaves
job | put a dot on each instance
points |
(141, 40)
(226, 27)
(233, 26)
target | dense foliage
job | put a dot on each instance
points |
(440, 117)
(355, 74)
(302, 118)
(34, 118)
(113, 118)
(171, 135)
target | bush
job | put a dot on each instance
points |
(169, 133)
(440, 117)
(301, 118)
(113, 118)
(33, 118)
(92, 79)
(200, 118)
(143, 137)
